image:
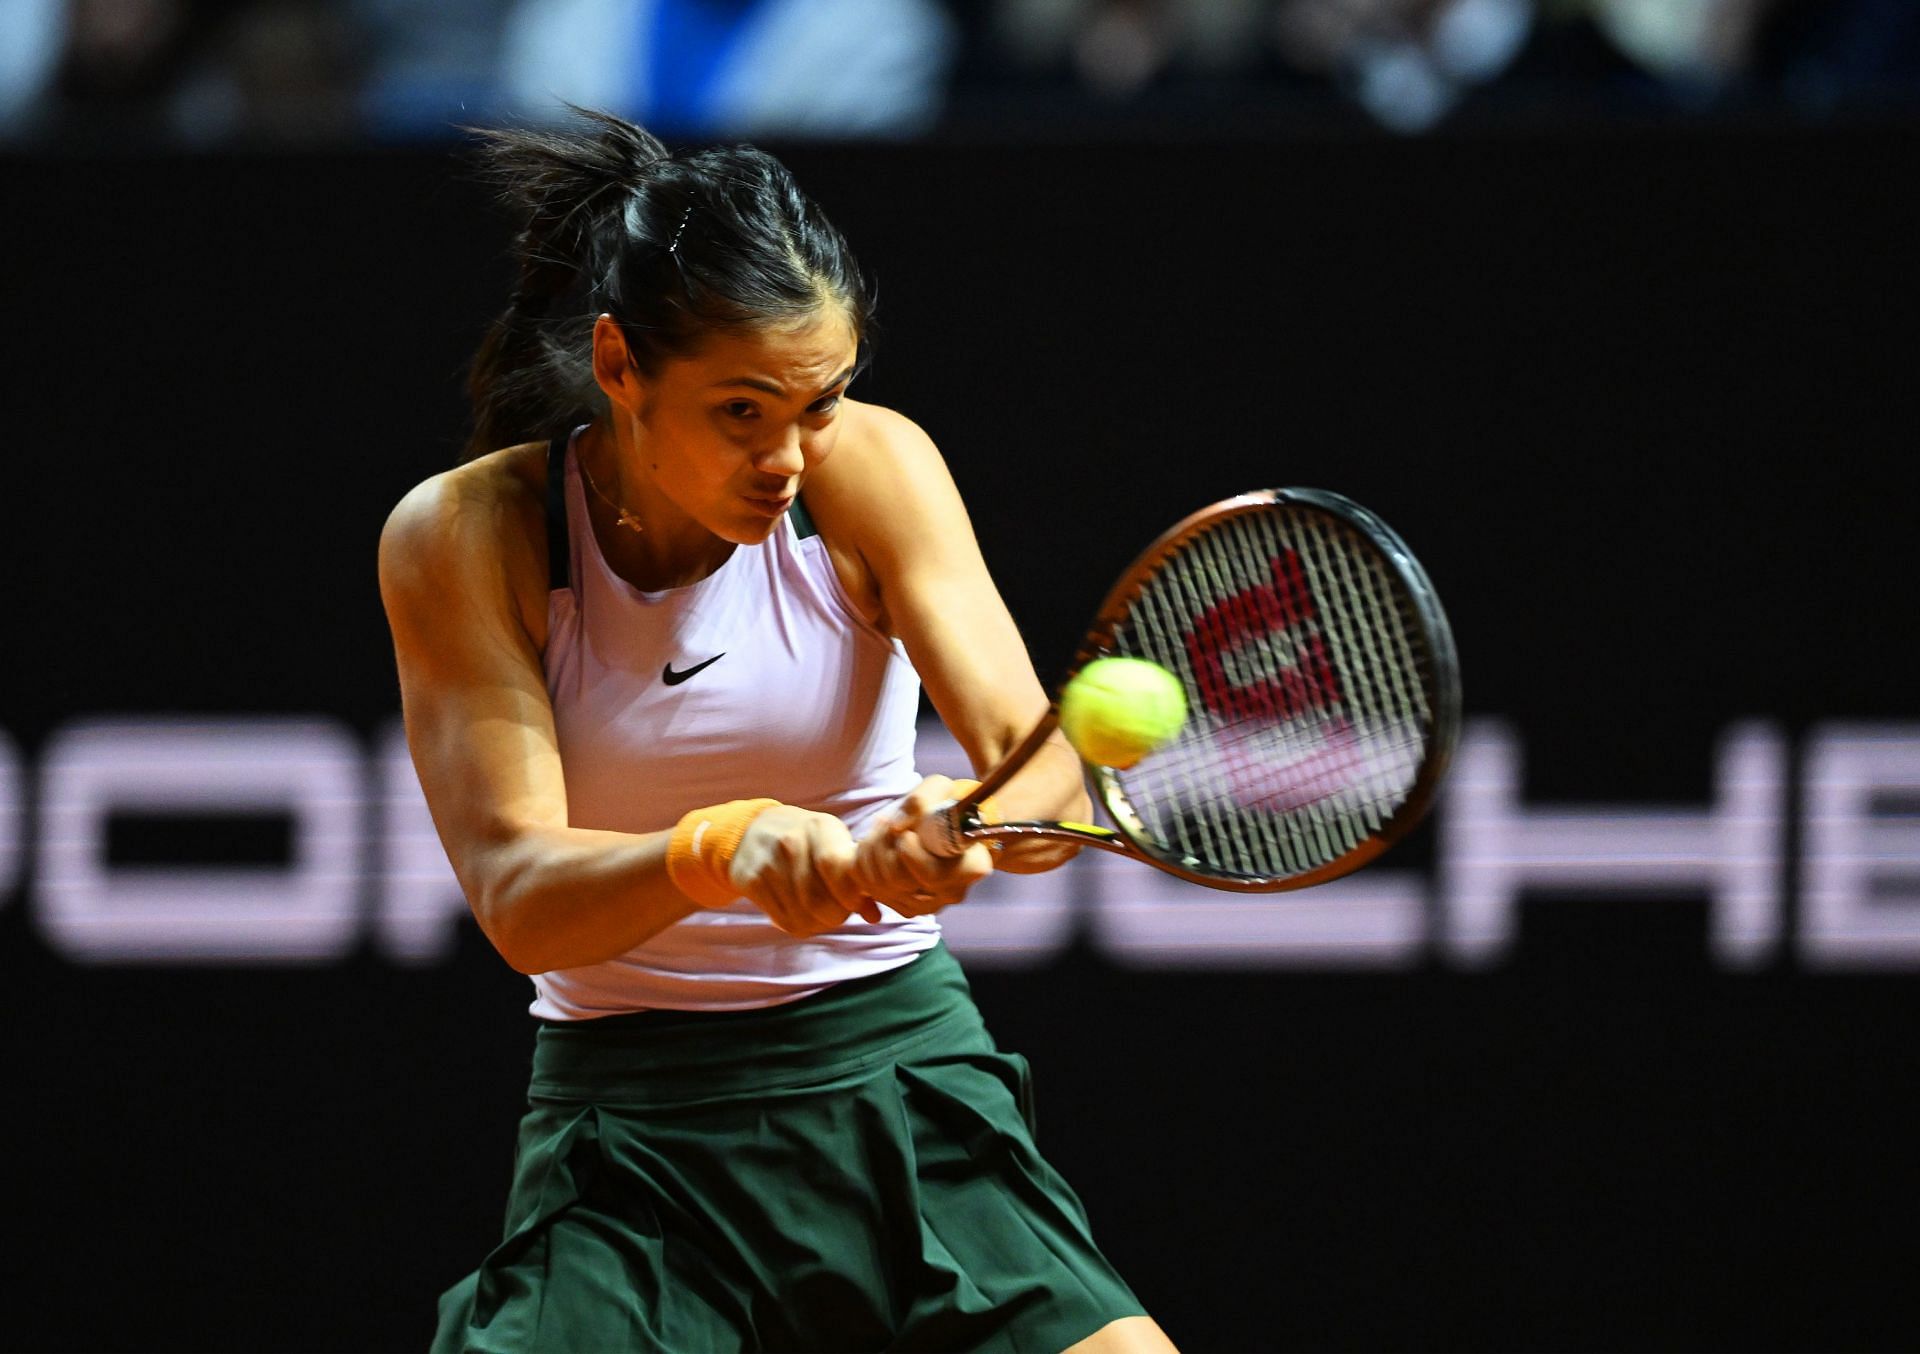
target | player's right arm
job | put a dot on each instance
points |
(463, 579)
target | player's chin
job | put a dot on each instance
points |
(735, 529)
(750, 531)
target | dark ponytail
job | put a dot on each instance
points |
(674, 247)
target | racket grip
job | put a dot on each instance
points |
(940, 830)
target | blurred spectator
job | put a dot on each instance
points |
(1854, 55)
(1410, 65)
(274, 70)
(158, 72)
(1685, 44)
(1407, 62)
(118, 61)
(1793, 58)
(810, 68)
(1117, 49)
(33, 33)
(432, 65)
(205, 72)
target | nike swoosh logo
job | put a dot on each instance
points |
(672, 678)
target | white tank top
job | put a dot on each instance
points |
(759, 680)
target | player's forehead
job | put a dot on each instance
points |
(806, 354)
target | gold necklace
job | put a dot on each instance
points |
(626, 518)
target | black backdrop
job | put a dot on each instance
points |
(1640, 399)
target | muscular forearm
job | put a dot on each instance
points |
(555, 897)
(1049, 787)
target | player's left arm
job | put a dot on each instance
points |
(886, 494)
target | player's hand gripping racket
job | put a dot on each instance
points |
(1322, 699)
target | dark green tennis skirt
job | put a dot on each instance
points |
(853, 1171)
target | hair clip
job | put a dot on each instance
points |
(674, 245)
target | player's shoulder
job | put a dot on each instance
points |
(477, 529)
(885, 483)
(485, 499)
(874, 431)
(882, 458)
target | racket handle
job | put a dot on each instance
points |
(941, 830)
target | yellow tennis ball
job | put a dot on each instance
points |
(1117, 710)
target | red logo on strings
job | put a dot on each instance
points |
(1265, 777)
(1285, 604)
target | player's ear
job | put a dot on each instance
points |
(613, 369)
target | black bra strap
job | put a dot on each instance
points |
(559, 557)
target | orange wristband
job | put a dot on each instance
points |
(702, 847)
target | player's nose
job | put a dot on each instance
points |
(785, 457)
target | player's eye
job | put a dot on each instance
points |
(826, 404)
(739, 409)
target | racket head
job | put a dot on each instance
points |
(1322, 685)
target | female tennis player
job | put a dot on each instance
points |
(660, 642)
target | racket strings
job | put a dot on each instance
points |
(1379, 658)
(1273, 777)
(1171, 611)
(1192, 796)
(1182, 797)
(1301, 655)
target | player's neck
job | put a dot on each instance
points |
(644, 537)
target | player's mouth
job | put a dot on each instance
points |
(770, 507)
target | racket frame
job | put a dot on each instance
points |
(949, 828)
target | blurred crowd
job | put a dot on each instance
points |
(210, 72)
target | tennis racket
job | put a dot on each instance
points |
(1323, 699)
